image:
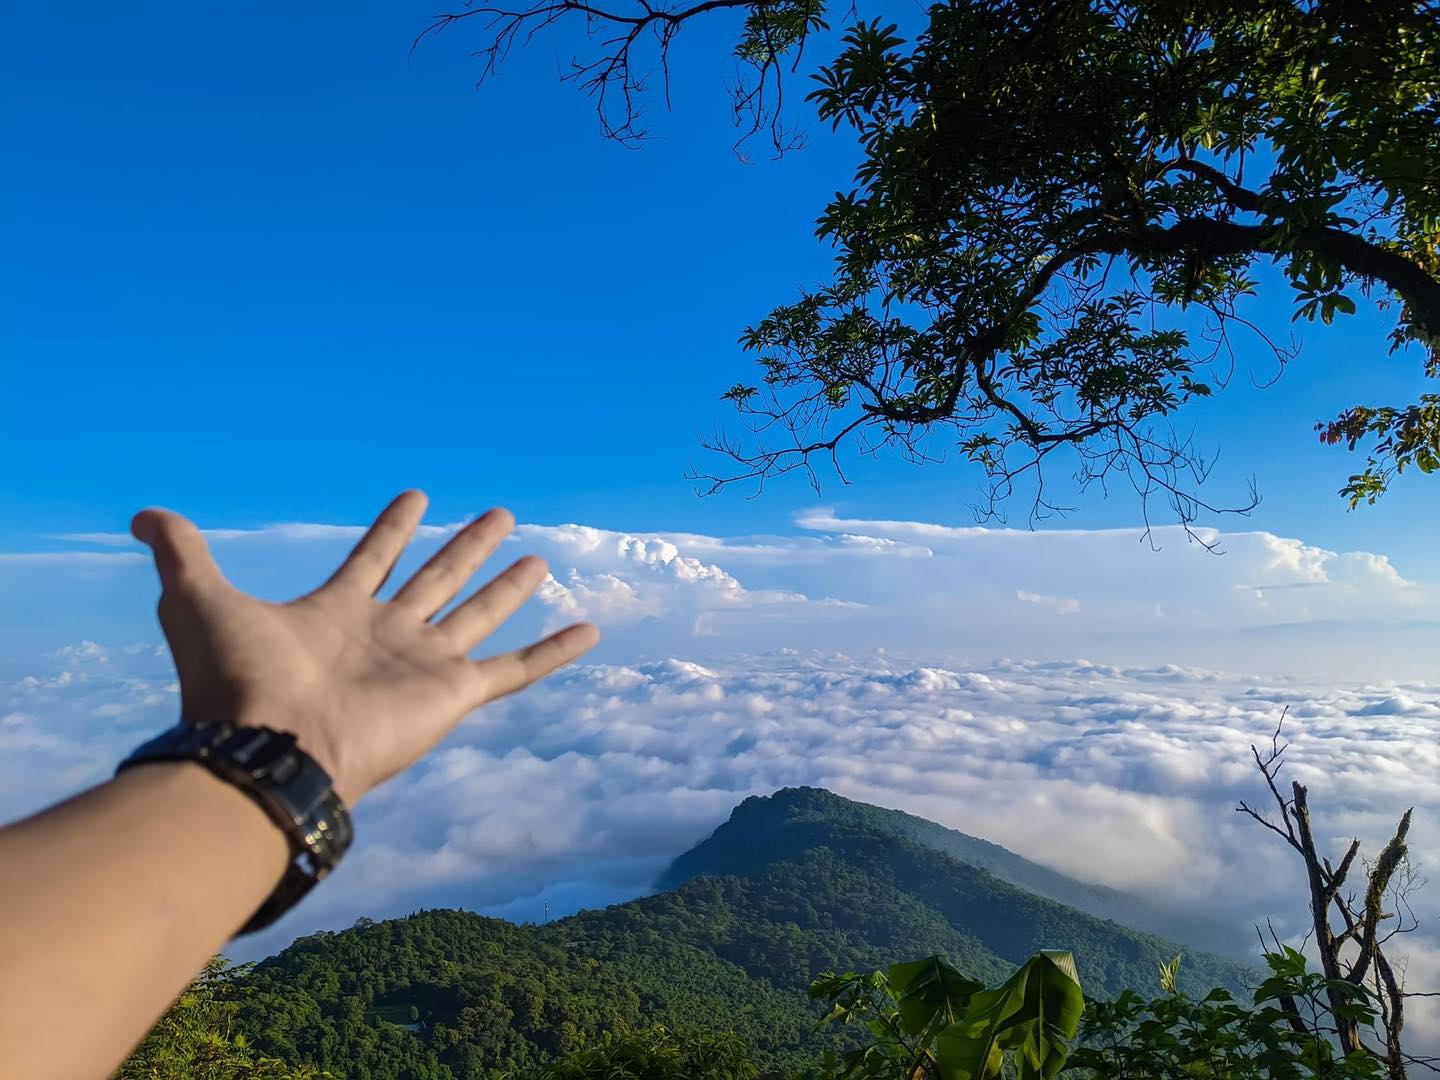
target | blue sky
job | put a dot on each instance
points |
(264, 265)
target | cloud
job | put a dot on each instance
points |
(66, 722)
(605, 597)
(1064, 605)
(83, 654)
(619, 579)
(1269, 604)
(90, 560)
(578, 791)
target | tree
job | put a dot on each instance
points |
(1370, 914)
(195, 1039)
(1285, 1034)
(1060, 212)
(656, 1054)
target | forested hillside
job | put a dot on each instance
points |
(764, 828)
(450, 994)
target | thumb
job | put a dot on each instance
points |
(182, 558)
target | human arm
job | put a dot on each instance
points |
(115, 898)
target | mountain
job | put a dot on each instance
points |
(790, 886)
(766, 828)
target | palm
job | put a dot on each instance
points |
(366, 685)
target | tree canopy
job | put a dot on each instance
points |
(1059, 213)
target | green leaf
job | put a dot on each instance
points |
(1035, 1013)
(930, 992)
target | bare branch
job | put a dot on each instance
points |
(612, 75)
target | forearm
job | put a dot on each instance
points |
(112, 902)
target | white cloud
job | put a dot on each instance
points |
(1064, 605)
(89, 560)
(618, 579)
(1270, 603)
(82, 655)
(605, 597)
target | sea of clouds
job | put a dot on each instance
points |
(916, 666)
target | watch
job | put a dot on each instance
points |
(290, 785)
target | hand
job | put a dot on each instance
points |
(367, 686)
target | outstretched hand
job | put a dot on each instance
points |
(367, 686)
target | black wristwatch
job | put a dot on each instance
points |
(288, 784)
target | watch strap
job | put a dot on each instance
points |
(287, 783)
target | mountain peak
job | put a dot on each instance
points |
(766, 829)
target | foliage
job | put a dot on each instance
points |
(1287, 1034)
(194, 1040)
(733, 976)
(1062, 212)
(918, 1020)
(928, 1020)
(1403, 437)
(825, 886)
(498, 1000)
(656, 1054)
(1046, 186)
(776, 827)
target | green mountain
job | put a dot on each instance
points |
(766, 828)
(791, 886)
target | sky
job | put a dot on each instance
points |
(267, 267)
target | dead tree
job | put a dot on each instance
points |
(1351, 925)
